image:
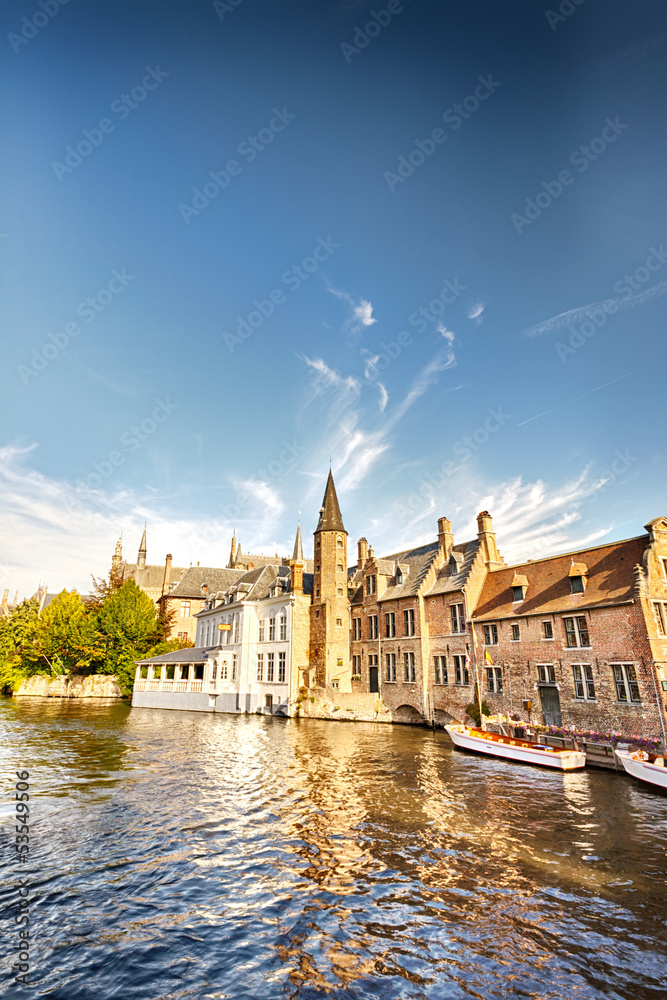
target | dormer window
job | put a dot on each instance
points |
(399, 575)
(577, 575)
(519, 588)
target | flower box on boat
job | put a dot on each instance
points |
(496, 745)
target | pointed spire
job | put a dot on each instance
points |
(141, 556)
(330, 516)
(232, 554)
(297, 555)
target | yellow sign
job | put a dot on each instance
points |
(224, 628)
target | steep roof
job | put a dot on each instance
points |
(330, 516)
(297, 554)
(454, 574)
(151, 577)
(215, 579)
(611, 580)
(413, 563)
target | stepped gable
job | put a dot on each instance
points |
(190, 585)
(414, 565)
(330, 515)
(454, 574)
(610, 580)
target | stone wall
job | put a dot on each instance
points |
(94, 686)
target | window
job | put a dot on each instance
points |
(399, 576)
(262, 630)
(234, 667)
(237, 625)
(340, 591)
(339, 622)
(373, 660)
(272, 629)
(390, 624)
(270, 657)
(334, 683)
(339, 567)
(576, 632)
(546, 673)
(185, 609)
(440, 663)
(214, 672)
(547, 630)
(517, 594)
(182, 636)
(660, 612)
(494, 679)
(625, 677)
(456, 611)
(576, 584)
(317, 613)
(583, 681)
(356, 667)
(370, 584)
(281, 668)
(339, 542)
(372, 626)
(283, 626)
(260, 666)
(490, 635)
(223, 671)
(409, 667)
(516, 635)
(409, 621)
(390, 661)
(461, 675)
(339, 661)
(356, 629)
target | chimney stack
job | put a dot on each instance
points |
(362, 552)
(487, 537)
(296, 576)
(167, 574)
(445, 537)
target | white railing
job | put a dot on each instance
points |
(196, 686)
(140, 685)
(168, 684)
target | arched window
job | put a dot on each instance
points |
(339, 567)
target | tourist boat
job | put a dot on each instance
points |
(642, 765)
(495, 745)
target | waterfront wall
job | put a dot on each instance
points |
(94, 686)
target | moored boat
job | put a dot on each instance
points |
(509, 748)
(642, 765)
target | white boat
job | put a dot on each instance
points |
(645, 770)
(494, 745)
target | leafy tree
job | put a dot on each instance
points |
(15, 639)
(65, 638)
(127, 621)
(104, 588)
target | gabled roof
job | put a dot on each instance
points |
(414, 565)
(330, 516)
(454, 574)
(611, 580)
(190, 586)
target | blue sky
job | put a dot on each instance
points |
(240, 240)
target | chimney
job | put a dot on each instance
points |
(362, 552)
(167, 574)
(204, 589)
(445, 537)
(296, 576)
(487, 537)
(370, 551)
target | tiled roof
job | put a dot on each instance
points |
(194, 654)
(151, 577)
(330, 515)
(610, 581)
(413, 563)
(454, 574)
(215, 579)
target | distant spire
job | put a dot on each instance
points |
(297, 555)
(330, 516)
(141, 556)
(232, 554)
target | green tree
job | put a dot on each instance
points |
(127, 621)
(15, 641)
(65, 638)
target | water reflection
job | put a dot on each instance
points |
(183, 855)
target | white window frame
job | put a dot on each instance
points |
(584, 682)
(390, 664)
(491, 634)
(390, 624)
(456, 616)
(461, 672)
(576, 631)
(440, 669)
(409, 675)
(409, 621)
(627, 681)
(546, 673)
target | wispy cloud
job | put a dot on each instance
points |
(447, 334)
(361, 310)
(384, 397)
(326, 378)
(582, 313)
(475, 311)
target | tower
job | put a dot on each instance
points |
(329, 612)
(296, 564)
(232, 555)
(117, 559)
(141, 555)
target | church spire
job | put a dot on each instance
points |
(232, 554)
(141, 555)
(330, 516)
(297, 555)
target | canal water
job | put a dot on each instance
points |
(178, 855)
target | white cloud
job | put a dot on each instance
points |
(326, 378)
(361, 310)
(447, 334)
(582, 313)
(384, 397)
(475, 311)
